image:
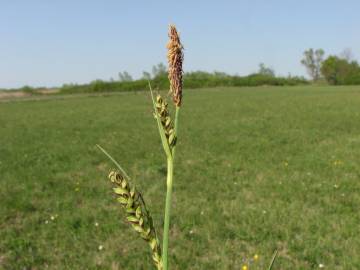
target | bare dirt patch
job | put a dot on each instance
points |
(13, 94)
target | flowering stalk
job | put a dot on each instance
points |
(175, 60)
(128, 196)
(168, 131)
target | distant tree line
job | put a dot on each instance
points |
(196, 79)
(335, 70)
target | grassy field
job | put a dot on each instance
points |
(257, 169)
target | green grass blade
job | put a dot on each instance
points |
(273, 260)
(114, 161)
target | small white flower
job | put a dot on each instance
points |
(191, 232)
(96, 224)
(46, 221)
(52, 218)
(321, 265)
(336, 186)
(100, 248)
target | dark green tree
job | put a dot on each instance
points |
(338, 71)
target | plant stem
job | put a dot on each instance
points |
(169, 181)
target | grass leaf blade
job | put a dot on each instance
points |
(273, 260)
(114, 161)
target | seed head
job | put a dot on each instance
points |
(137, 214)
(175, 60)
(162, 112)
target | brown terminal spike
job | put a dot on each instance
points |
(175, 58)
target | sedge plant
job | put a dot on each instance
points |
(128, 196)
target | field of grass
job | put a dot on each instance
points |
(257, 169)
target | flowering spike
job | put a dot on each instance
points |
(175, 60)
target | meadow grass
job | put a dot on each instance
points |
(257, 169)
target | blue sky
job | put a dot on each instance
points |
(48, 43)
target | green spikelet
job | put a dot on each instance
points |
(164, 115)
(137, 214)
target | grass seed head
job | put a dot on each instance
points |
(175, 58)
(137, 214)
(163, 113)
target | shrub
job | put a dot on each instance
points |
(339, 71)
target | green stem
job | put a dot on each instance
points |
(169, 181)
